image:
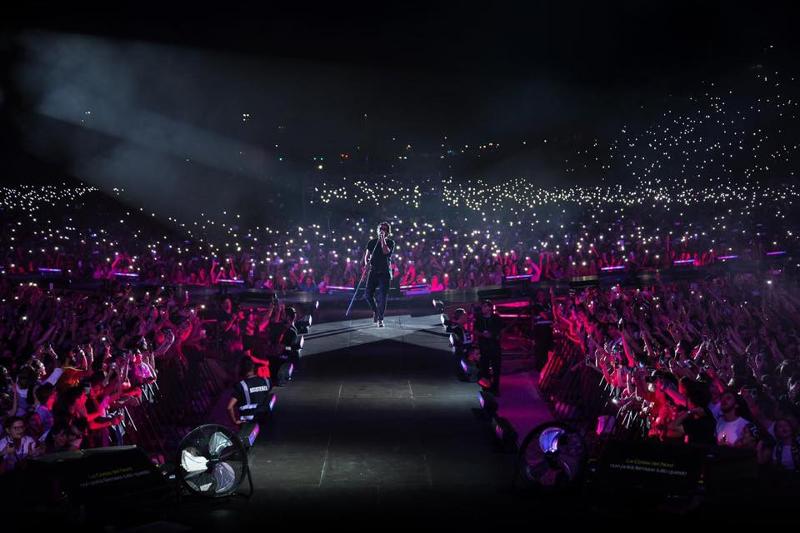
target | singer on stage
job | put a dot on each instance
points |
(376, 259)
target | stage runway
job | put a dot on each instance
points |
(377, 423)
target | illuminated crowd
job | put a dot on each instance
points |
(452, 251)
(87, 369)
(705, 363)
(712, 361)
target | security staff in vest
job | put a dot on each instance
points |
(250, 400)
(291, 337)
(488, 327)
(462, 345)
(376, 258)
(461, 338)
(290, 342)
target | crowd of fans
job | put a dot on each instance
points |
(72, 362)
(74, 240)
(709, 362)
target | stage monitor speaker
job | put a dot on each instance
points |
(261, 297)
(494, 294)
(583, 281)
(98, 476)
(520, 281)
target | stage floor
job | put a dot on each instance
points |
(377, 422)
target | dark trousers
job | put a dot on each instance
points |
(378, 282)
(489, 366)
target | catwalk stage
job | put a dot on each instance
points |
(376, 422)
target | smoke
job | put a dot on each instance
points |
(140, 117)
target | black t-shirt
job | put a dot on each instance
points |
(701, 430)
(380, 261)
(492, 324)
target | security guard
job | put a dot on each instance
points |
(291, 337)
(291, 343)
(251, 395)
(488, 327)
(460, 337)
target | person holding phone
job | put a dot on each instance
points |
(16, 446)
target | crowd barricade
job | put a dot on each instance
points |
(573, 390)
(182, 398)
(179, 400)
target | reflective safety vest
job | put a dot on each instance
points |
(255, 392)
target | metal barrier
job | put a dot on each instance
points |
(572, 389)
(179, 400)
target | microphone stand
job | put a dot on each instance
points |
(363, 275)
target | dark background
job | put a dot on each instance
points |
(361, 81)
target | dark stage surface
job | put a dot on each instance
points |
(379, 427)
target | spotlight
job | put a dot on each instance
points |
(488, 402)
(505, 433)
(470, 370)
(272, 402)
(249, 433)
(316, 305)
(284, 374)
